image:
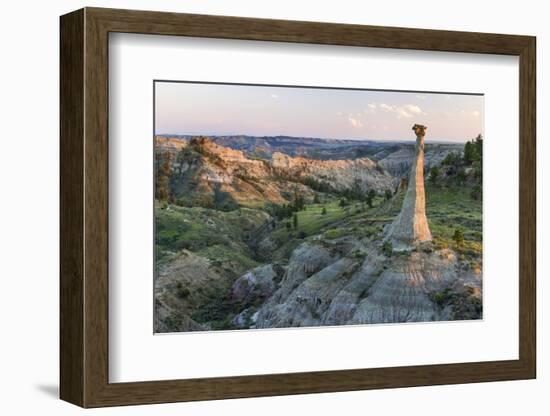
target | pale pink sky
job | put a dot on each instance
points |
(224, 109)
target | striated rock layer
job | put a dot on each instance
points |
(322, 288)
(209, 168)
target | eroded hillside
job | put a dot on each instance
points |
(203, 173)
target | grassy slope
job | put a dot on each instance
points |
(217, 235)
(447, 209)
(452, 208)
(222, 236)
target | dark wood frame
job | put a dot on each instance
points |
(84, 207)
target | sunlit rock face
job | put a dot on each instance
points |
(411, 225)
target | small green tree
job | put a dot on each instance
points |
(434, 175)
(324, 211)
(461, 176)
(468, 152)
(370, 197)
(452, 159)
(476, 192)
(181, 291)
(298, 202)
(387, 248)
(478, 143)
(471, 150)
(295, 220)
(458, 238)
(316, 199)
(388, 194)
(343, 202)
(288, 225)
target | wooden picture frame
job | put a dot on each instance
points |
(84, 207)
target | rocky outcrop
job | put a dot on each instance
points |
(370, 288)
(209, 169)
(171, 144)
(346, 282)
(181, 287)
(411, 225)
(398, 163)
(258, 283)
(340, 174)
(403, 291)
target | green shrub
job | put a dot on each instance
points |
(387, 248)
(434, 175)
(370, 197)
(332, 234)
(458, 238)
(181, 291)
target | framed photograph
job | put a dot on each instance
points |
(255, 207)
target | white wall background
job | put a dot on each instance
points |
(29, 210)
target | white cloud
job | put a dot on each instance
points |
(356, 123)
(414, 109)
(404, 111)
(371, 108)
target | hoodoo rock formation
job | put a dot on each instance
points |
(411, 225)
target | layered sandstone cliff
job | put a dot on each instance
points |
(209, 168)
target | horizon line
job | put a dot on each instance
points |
(311, 137)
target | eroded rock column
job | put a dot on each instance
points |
(411, 225)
